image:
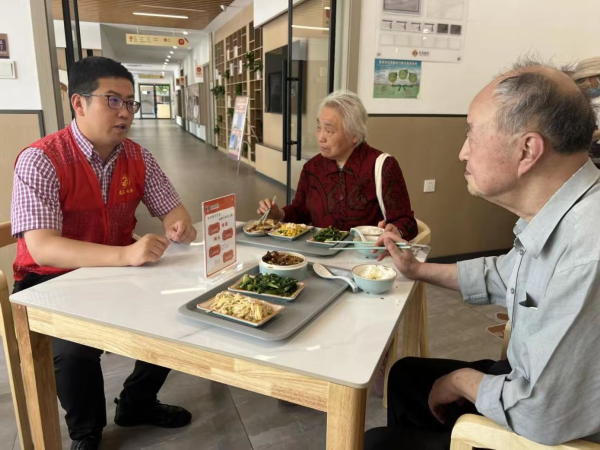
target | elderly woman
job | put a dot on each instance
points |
(337, 187)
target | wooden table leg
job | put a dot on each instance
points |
(346, 408)
(411, 324)
(40, 385)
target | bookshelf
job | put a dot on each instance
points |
(230, 59)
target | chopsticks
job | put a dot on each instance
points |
(400, 245)
(336, 249)
(266, 214)
(368, 244)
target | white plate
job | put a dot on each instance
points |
(205, 306)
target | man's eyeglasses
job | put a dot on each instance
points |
(115, 102)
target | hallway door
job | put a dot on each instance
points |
(147, 111)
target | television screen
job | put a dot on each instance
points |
(274, 82)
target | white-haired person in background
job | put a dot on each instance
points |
(337, 186)
(587, 77)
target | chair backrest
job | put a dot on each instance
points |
(424, 236)
(5, 235)
(11, 350)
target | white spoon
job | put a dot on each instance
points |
(324, 273)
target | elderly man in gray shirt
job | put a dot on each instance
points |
(528, 135)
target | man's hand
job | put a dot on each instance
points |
(389, 227)
(404, 260)
(442, 393)
(275, 213)
(148, 249)
(459, 386)
(181, 231)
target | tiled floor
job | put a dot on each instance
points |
(228, 418)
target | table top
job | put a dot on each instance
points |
(343, 344)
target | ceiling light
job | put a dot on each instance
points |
(174, 46)
(171, 52)
(310, 28)
(160, 15)
(170, 7)
(185, 32)
(326, 7)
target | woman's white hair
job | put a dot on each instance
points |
(353, 112)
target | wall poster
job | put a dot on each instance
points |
(396, 78)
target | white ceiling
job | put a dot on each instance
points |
(139, 54)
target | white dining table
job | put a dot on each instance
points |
(327, 365)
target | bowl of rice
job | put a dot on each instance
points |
(374, 278)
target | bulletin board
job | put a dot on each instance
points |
(494, 33)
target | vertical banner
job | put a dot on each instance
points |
(238, 124)
(218, 225)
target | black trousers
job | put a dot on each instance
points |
(411, 425)
(80, 384)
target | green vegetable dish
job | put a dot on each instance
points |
(412, 77)
(392, 76)
(403, 74)
(269, 284)
(329, 234)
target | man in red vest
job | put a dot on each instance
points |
(74, 200)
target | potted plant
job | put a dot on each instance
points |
(227, 75)
(258, 66)
(220, 118)
(217, 129)
(245, 149)
(249, 60)
(230, 112)
(218, 91)
(238, 89)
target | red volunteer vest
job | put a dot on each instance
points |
(85, 215)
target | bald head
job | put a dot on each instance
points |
(535, 97)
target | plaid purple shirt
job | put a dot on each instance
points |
(35, 197)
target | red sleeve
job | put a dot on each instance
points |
(396, 199)
(297, 212)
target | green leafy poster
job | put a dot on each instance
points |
(396, 78)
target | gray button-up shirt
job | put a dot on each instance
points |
(550, 283)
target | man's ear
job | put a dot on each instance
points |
(531, 147)
(77, 103)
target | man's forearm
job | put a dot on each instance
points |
(176, 214)
(466, 383)
(50, 249)
(444, 275)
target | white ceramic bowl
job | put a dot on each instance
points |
(369, 231)
(371, 286)
(297, 271)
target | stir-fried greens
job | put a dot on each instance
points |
(269, 283)
(329, 234)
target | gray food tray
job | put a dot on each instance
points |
(317, 294)
(299, 245)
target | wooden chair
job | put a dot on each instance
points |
(424, 235)
(11, 351)
(473, 431)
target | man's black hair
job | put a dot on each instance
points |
(84, 76)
